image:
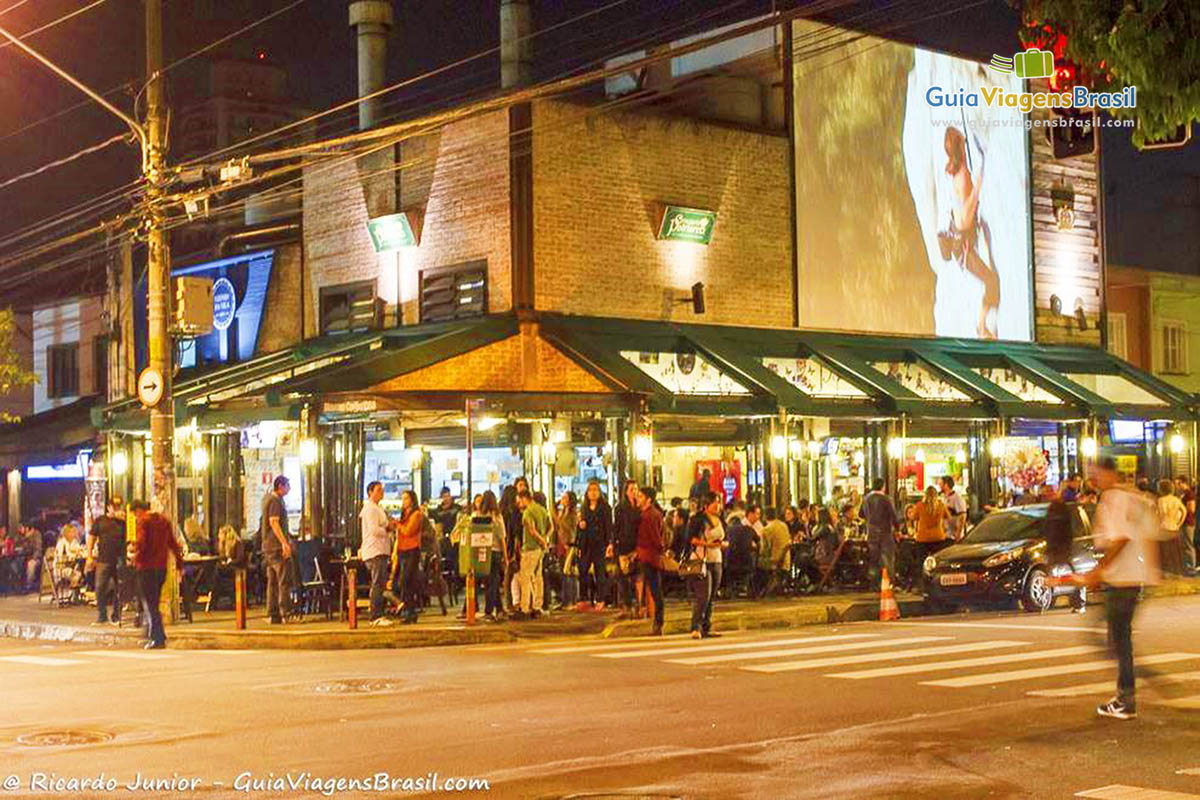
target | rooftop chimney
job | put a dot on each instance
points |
(372, 19)
(516, 46)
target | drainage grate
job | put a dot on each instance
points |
(64, 738)
(358, 686)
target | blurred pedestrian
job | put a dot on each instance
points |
(649, 553)
(1187, 496)
(154, 542)
(706, 535)
(1126, 530)
(626, 519)
(1171, 513)
(883, 525)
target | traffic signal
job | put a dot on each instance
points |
(193, 305)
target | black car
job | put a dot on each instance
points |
(1003, 559)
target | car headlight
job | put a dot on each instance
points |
(1004, 558)
(930, 565)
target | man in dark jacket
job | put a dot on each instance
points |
(883, 525)
(627, 517)
(107, 552)
(153, 544)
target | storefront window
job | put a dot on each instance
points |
(390, 463)
(920, 381)
(813, 378)
(1017, 384)
(685, 373)
(1115, 388)
(573, 477)
(491, 468)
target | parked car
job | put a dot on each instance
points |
(1002, 560)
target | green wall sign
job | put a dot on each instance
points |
(687, 224)
(392, 232)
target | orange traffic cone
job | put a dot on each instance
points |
(888, 608)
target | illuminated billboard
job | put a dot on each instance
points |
(912, 195)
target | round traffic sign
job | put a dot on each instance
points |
(150, 387)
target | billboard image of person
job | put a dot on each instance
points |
(912, 216)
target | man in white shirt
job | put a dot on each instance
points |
(1126, 530)
(376, 548)
(957, 524)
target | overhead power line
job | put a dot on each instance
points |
(68, 159)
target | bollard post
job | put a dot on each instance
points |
(239, 598)
(352, 599)
(471, 597)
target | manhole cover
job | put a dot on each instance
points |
(357, 686)
(64, 738)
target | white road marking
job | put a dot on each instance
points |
(705, 647)
(1189, 771)
(796, 651)
(1049, 672)
(1005, 626)
(42, 661)
(1104, 687)
(129, 654)
(1119, 791)
(863, 658)
(1007, 658)
(614, 645)
(1192, 702)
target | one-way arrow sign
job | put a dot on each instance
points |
(150, 387)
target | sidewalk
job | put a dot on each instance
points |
(22, 617)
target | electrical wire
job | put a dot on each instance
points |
(67, 160)
(13, 7)
(54, 23)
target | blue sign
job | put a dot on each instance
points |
(224, 303)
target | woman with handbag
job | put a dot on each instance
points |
(595, 529)
(626, 519)
(566, 527)
(703, 565)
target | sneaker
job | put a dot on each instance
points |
(382, 622)
(1117, 710)
(154, 645)
(116, 623)
(697, 635)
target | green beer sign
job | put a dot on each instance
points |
(392, 232)
(687, 224)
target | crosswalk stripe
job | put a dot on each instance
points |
(1103, 687)
(42, 661)
(1005, 626)
(1119, 791)
(1047, 672)
(963, 663)
(795, 651)
(864, 658)
(621, 644)
(1190, 702)
(706, 646)
(128, 654)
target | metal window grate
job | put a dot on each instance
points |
(456, 292)
(350, 307)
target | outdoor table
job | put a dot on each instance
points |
(348, 588)
(202, 567)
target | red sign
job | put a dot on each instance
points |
(724, 478)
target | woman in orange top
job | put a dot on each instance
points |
(931, 515)
(407, 555)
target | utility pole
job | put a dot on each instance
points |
(158, 267)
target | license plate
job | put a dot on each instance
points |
(954, 579)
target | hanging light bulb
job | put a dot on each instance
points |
(120, 463)
(643, 447)
(1088, 447)
(895, 448)
(199, 459)
(996, 447)
(1176, 443)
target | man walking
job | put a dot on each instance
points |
(883, 524)
(277, 551)
(650, 551)
(535, 525)
(1126, 530)
(154, 542)
(376, 549)
(107, 551)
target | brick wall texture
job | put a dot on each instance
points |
(456, 179)
(497, 367)
(281, 324)
(598, 181)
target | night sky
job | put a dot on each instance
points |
(1153, 197)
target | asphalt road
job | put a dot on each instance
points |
(970, 706)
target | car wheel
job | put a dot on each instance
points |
(1038, 594)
